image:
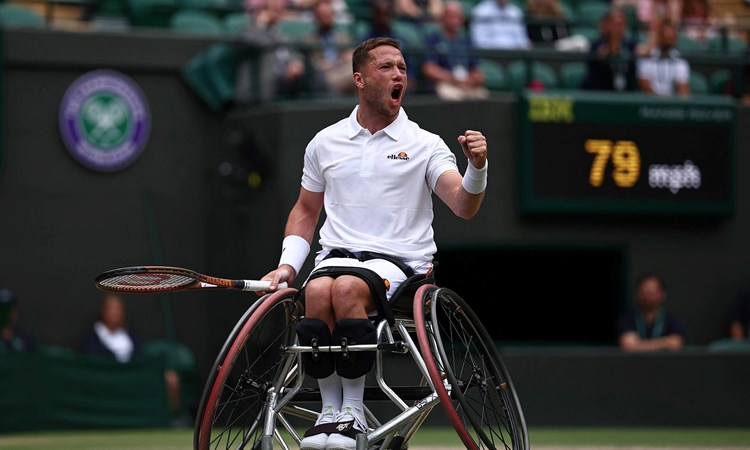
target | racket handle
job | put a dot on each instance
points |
(253, 285)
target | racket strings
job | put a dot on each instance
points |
(147, 281)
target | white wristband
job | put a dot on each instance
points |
(475, 180)
(294, 251)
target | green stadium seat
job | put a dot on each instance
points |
(518, 77)
(698, 83)
(409, 32)
(152, 13)
(111, 8)
(569, 13)
(196, 23)
(688, 45)
(730, 44)
(235, 23)
(494, 75)
(221, 60)
(17, 16)
(196, 74)
(196, 5)
(591, 11)
(360, 9)
(296, 30)
(719, 81)
(572, 74)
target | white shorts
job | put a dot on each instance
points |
(385, 269)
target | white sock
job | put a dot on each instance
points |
(330, 391)
(353, 395)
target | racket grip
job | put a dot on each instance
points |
(254, 285)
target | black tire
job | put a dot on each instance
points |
(482, 405)
(231, 410)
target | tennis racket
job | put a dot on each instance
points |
(148, 279)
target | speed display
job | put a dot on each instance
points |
(600, 153)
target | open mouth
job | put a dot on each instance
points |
(396, 92)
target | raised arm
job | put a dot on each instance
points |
(464, 195)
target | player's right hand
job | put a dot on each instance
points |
(280, 275)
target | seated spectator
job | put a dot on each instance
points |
(341, 13)
(611, 65)
(546, 21)
(418, 10)
(450, 64)
(381, 25)
(650, 11)
(110, 337)
(498, 24)
(696, 21)
(739, 317)
(381, 21)
(664, 72)
(650, 327)
(12, 338)
(281, 69)
(332, 65)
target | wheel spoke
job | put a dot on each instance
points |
(481, 403)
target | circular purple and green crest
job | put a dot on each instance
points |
(104, 120)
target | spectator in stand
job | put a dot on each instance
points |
(649, 14)
(649, 11)
(281, 69)
(739, 317)
(418, 10)
(341, 13)
(110, 337)
(696, 22)
(546, 21)
(650, 327)
(612, 58)
(381, 25)
(450, 64)
(664, 72)
(498, 24)
(12, 338)
(332, 65)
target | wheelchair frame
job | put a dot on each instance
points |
(256, 384)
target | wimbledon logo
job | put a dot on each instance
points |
(104, 120)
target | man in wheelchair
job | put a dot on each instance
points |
(374, 172)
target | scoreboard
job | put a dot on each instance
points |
(606, 153)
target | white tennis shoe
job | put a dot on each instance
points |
(318, 441)
(350, 424)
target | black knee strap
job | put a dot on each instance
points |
(348, 332)
(373, 280)
(315, 333)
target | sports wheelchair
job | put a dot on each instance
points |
(255, 391)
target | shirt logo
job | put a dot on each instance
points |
(104, 120)
(401, 155)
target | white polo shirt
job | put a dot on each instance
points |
(495, 26)
(664, 71)
(378, 188)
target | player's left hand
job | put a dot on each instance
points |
(474, 145)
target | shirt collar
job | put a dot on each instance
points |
(393, 130)
(672, 53)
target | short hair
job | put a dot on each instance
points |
(362, 52)
(649, 275)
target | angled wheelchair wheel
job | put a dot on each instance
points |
(231, 413)
(473, 384)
